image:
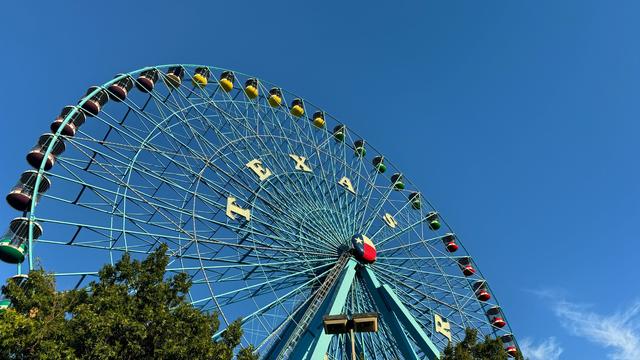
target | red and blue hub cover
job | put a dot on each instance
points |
(363, 248)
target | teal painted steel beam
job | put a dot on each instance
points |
(404, 344)
(393, 304)
(314, 343)
(410, 323)
(275, 349)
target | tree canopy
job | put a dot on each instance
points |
(471, 349)
(132, 311)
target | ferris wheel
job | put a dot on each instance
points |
(280, 214)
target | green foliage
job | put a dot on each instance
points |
(130, 312)
(471, 349)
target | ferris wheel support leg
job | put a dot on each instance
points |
(315, 342)
(399, 317)
(388, 316)
(275, 349)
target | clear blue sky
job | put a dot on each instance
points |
(519, 119)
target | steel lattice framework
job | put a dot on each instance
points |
(258, 203)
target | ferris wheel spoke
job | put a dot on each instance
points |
(258, 294)
(409, 245)
(93, 207)
(392, 278)
(377, 208)
(367, 180)
(383, 344)
(290, 314)
(446, 259)
(270, 338)
(305, 152)
(399, 232)
(401, 215)
(267, 249)
(233, 262)
(288, 205)
(409, 290)
(448, 281)
(263, 246)
(368, 212)
(324, 212)
(444, 277)
(262, 144)
(436, 285)
(298, 241)
(457, 320)
(260, 285)
(332, 192)
(317, 228)
(258, 271)
(425, 313)
(193, 193)
(312, 151)
(359, 178)
(414, 271)
(110, 128)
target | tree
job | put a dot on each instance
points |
(471, 349)
(130, 312)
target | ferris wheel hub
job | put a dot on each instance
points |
(364, 249)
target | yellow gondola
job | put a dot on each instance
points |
(275, 97)
(226, 80)
(201, 77)
(173, 77)
(318, 119)
(251, 88)
(297, 107)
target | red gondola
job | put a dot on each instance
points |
(509, 345)
(36, 156)
(69, 129)
(466, 266)
(449, 241)
(480, 289)
(119, 90)
(495, 317)
(96, 102)
(21, 196)
(147, 80)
